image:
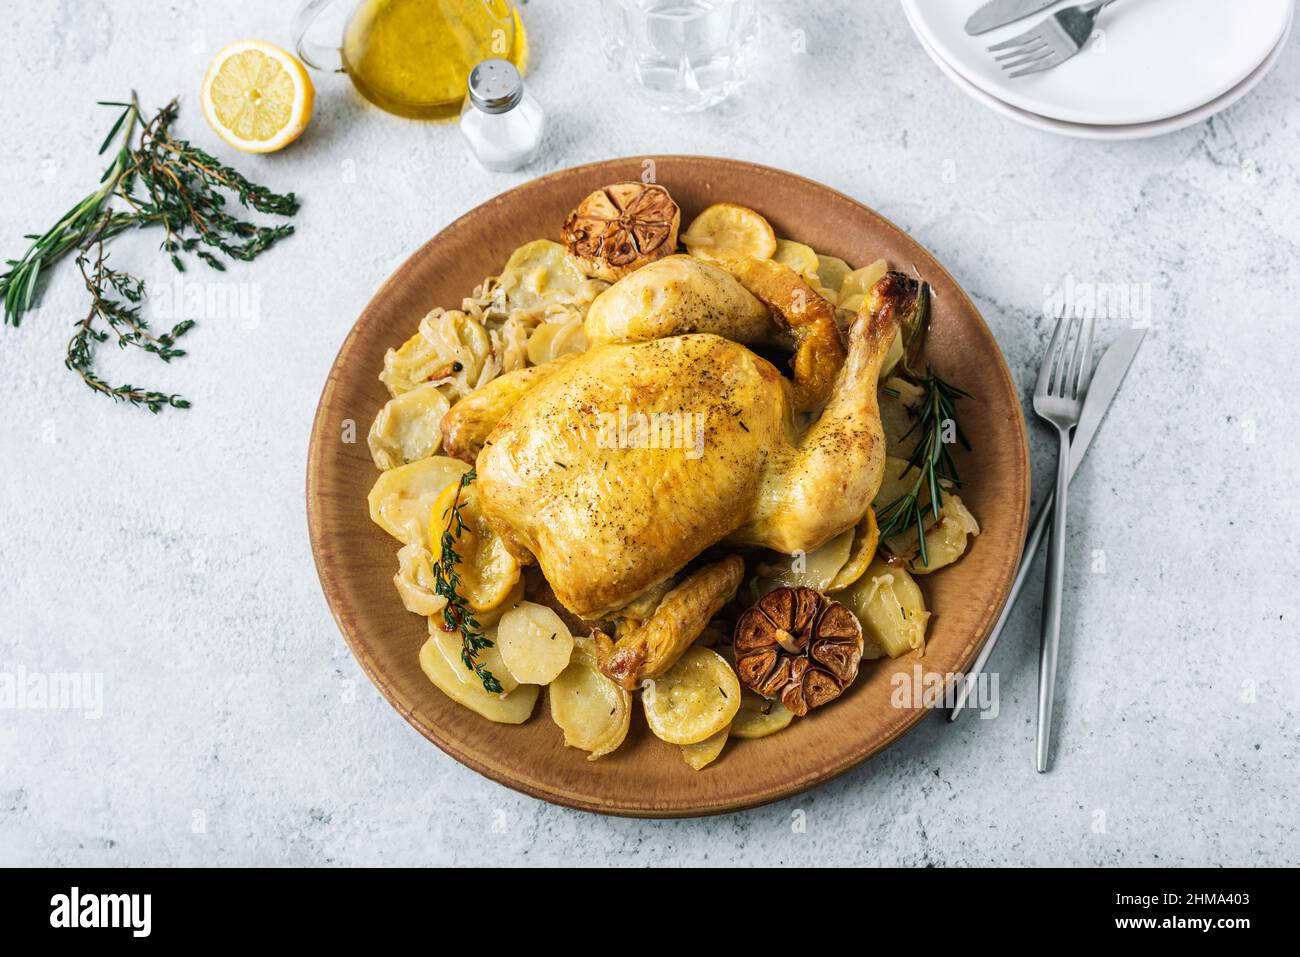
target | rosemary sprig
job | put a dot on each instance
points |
(77, 227)
(161, 180)
(936, 419)
(456, 614)
(122, 318)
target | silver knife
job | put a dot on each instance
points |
(1105, 383)
(998, 13)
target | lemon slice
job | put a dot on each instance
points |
(257, 97)
(695, 699)
(488, 572)
(726, 231)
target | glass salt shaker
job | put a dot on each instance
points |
(501, 119)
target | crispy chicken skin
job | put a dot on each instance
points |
(627, 462)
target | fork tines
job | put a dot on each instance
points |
(1051, 42)
(1029, 52)
(1067, 364)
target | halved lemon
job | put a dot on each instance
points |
(257, 97)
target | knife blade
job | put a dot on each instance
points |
(1105, 384)
(998, 13)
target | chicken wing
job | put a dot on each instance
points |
(652, 647)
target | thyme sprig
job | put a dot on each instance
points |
(180, 186)
(156, 179)
(456, 614)
(935, 418)
(121, 318)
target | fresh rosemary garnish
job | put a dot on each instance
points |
(160, 180)
(935, 418)
(122, 318)
(456, 615)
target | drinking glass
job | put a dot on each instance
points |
(683, 55)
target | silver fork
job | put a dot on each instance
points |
(1051, 42)
(1058, 398)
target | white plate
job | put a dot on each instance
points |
(1110, 132)
(1154, 59)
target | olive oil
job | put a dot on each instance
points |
(413, 57)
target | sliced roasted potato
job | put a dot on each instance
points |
(831, 272)
(550, 340)
(897, 397)
(514, 708)
(401, 498)
(945, 538)
(726, 231)
(534, 642)
(447, 339)
(593, 712)
(866, 539)
(899, 480)
(695, 699)
(450, 645)
(852, 294)
(705, 752)
(891, 608)
(488, 572)
(815, 570)
(408, 427)
(415, 581)
(893, 356)
(758, 717)
(945, 542)
(540, 272)
(857, 282)
(802, 259)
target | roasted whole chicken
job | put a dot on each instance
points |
(655, 419)
(616, 468)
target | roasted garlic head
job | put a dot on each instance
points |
(620, 228)
(799, 646)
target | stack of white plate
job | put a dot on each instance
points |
(1154, 66)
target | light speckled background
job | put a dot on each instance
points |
(170, 554)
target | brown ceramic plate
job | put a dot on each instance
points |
(647, 777)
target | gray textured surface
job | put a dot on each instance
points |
(170, 554)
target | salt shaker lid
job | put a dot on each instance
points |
(495, 86)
